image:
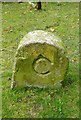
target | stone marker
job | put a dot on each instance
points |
(40, 60)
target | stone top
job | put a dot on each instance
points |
(40, 36)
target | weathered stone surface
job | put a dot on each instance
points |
(40, 60)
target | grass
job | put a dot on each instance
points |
(61, 19)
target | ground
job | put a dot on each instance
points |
(61, 19)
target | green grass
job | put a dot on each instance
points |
(61, 19)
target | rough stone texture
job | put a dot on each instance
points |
(40, 60)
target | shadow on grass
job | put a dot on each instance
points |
(69, 79)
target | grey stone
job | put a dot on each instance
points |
(40, 60)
